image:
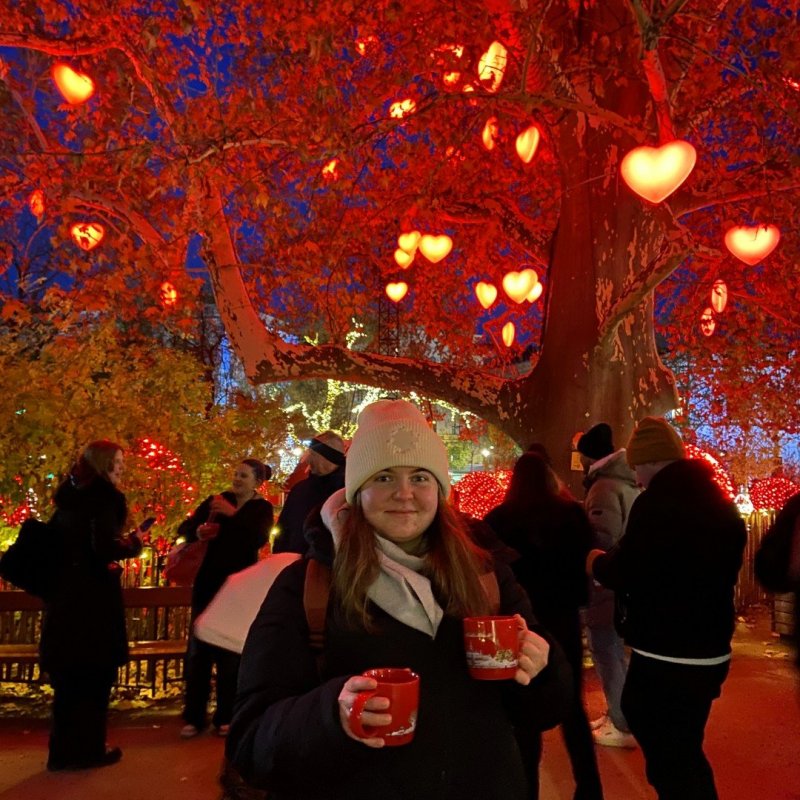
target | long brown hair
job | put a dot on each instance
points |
(97, 459)
(455, 564)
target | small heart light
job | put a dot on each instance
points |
(656, 172)
(403, 259)
(719, 296)
(752, 245)
(87, 235)
(169, 294)
(492, 66)
(535, 293)
(517, 285)
(435, 248)
(402, 108)
(330, 172)
(707, 323)
(527, 142)
(486, 293)
(396, 291)
(409, 241)
(75, 87)
(508, 334)
(36, 203)
(489, 135)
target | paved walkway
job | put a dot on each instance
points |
(753, 742)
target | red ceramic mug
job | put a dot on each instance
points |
(492, 647)
(401, 686)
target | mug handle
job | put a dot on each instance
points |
(354, 716)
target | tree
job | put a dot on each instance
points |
(262, 141)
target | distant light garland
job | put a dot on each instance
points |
(477, 493)
(721, 477)
(772, 493)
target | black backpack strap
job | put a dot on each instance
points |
(492, 589)
(316, 591)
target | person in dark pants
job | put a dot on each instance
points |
(83, 629)
(552, 536)
(236, 523)
(674, 573)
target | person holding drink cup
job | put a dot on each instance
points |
(389, 708)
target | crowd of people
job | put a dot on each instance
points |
(646, 564)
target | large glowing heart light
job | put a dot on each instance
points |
(435, 248)
(87, 235)
(409, 241)
(396, 291)
(656, 172)
(752, 245)
(403, 259)
(517, 285)
(74, 86)
(486, 293)
(527, 142)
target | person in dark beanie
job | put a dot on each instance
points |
(325, 458)
(611, 489)
(674, 571)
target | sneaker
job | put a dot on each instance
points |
(609, 735)
(189, 731)
(599, 722)
(222, 730)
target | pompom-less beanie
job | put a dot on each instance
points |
(654, 440)
(393, 433)
(597, 442)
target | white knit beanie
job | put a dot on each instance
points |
(393, 433)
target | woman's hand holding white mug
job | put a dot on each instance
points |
(371, 716)
(533, 653)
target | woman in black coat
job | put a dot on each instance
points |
(552, 535)
(236, 524)
(83, 630)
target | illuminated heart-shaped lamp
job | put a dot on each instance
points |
(489, 135)
(492, 67)
(435, 248)
(527, 142)
(707, 323)
(517, 285)
(396, 291)
(535, 293)
(508, 334)
(87, 235)
(486, 293)
(402, 108)
(752, 245)
(409, 241)
(330, 172)
(169, 294)
(403, 259)
(74, 86)
(36, 203)
(656, 172)
(719, 296)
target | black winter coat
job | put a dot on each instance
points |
(675, 568)
(84, 621)
(286, 735)
(233, 549)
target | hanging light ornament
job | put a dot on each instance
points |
(403, 259)
(535, 293)
(36, 203)
(75, 87)
(435, 248)
(489, 134)
(486, 293)
(330, 172)
(719, 296)
(707, 323)
(402, 108)
(527, 142)
(508, 334)
(517, 285)
(654, 173)
(168, 294)
(87, 235)
(752, 244)
(409, 241)
(492, 67)
(396, 291)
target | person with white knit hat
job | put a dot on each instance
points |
(405, 573)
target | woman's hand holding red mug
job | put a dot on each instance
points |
(533, 652)
(219, 505)
(371, 715)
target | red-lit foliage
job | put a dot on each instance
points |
(772, 493)
(477, 493)
(721, 477)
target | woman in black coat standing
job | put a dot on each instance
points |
(83, 630)
(553, 536)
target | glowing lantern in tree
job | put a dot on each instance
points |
(435, 248)
(535, 293)
(74, 86)
(87, 235)
(517, 285)
(403, 259)
(402, 108)
(492, 66)
(331, 170)
(752, 245)
(719, 296)
(486, 293)
(489, 135)
(409, 241)
(396, 291)
(508, 334)
(656, 172)
(36, 203)
(527, 142)
(707, 323)
(169, 294)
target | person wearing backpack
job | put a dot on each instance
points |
(83, 638)
(404, 575)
